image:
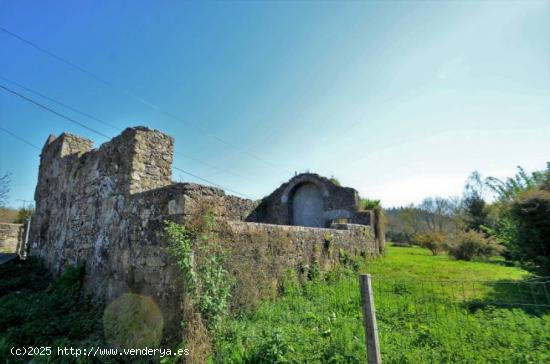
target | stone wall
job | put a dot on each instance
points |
(11, 237)
(106, 208)
(260, 254)
(298, 245)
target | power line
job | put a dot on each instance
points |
(28, 99)
(19, 138)
(95, 118)
(138, 98)
(212, 183)
(97, 132)
(51, 99)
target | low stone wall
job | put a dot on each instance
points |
(260, 254)
(11, 235)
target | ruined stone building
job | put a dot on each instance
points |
(106, 207)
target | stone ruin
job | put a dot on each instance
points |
(106, 208)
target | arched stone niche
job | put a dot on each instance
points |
(310, 200)
(307, 206)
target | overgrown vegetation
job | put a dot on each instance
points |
(320, 321)
(467, 245)
(370, 204)
(198, 252)
(200, 257)
(38, 311)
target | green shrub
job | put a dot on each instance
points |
(370, 204)
(467, 245)
(290, 284)
(530, 213)
(432, 240)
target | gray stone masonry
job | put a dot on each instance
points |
(106, 208)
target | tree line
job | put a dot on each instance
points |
(510, 217)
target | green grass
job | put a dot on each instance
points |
(415, 262)
(428, 309)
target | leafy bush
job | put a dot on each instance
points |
(432, 240)
(370, 204)
(531, 217)
(467, 245)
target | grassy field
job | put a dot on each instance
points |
(430, 309)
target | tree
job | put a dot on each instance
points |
(4, 187)
(530, 214)
(403, 224)
(523, 216)
(475, 211)
(506, 190)
(436, 212)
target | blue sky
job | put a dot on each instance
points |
(400, 100)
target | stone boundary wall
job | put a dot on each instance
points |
(260, 254)
(11, 237)
(299, 245)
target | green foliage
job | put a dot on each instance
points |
(180, 247)
(369, 204)
(476, 212)
(314, 272)
(38, 311)
(334, 181)
(510, 188)
(276, 347)
(432, 240)
(467, 245)
(215, 286)
(322, 322)
(520, 217)
(475, 208)
(347, 260)
(200, 258)
(290, 284)
(530, 214)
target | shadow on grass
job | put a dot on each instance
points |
(531, 295)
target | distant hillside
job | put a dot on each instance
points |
(8, 214)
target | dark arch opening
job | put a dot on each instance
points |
(306, 205)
